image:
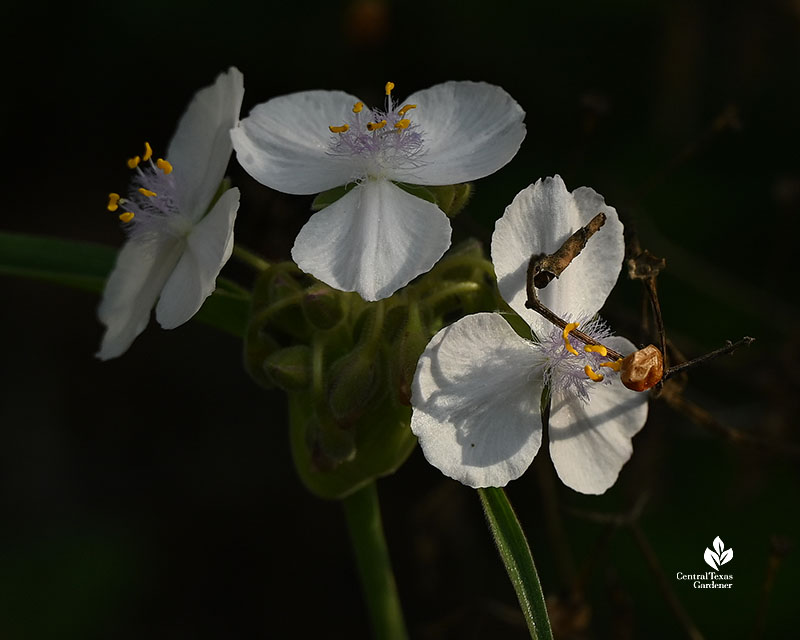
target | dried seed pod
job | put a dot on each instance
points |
(642, 369)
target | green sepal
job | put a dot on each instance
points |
(419, 191)
(331, 195)
(450, 198)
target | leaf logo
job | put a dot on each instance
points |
(715, 559)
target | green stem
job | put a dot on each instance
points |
(517, 558)
(362, 511)
(249, 258)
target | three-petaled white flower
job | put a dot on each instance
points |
(177, 241)
(478, 385)
(377, 237)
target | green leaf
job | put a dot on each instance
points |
(517, 558)
(85, 266)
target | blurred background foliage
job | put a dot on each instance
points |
(153, 496)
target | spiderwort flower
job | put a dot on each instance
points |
(478, 385)
(178, 237)
(377, 237)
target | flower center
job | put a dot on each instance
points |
(384, 139)
(152, 204)
(572, 370)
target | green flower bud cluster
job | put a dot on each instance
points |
(347, 365)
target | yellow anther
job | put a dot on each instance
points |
(406, 109)
(148, 152)
(402, 124)
(133, 162)
(147, 192)
(596, 348)
(374, 126)
(565, 334)
(596, 377)
(357, 107)
(126, 217)
(113, 201)
(341, 129)
(165, 166)
(389, 87)
(616, 365)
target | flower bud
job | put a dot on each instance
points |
(330, 445)
(289, 368)
(323, 306)
(354, 380)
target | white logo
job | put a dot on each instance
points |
(715, 559)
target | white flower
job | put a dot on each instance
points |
(176, 245)
(478, 385)
(377, 237)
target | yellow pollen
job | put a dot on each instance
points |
(126, 217)
(113, 201)
(357, 107)
(402, 124)
(406, 109)
(389, 87)
(148, 152)
(147, 192)
(133, 162)
(565, 334)
(374, 126)
(165, 166)
(341, 129)
(596, 377)
(596, 348)
(616, 365)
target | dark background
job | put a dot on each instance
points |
(154, 496)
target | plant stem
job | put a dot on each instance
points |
(249, 258)
(362, 511)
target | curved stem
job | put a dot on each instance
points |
(362, 511)
(249, 258)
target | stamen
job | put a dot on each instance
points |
(126, 217)
(133, 162)
(357, 107)
(616, 365)
(402, 124)
(406, 109)
(113, 201)
(165, 166)
(389, 87)
(148, 152)
(341, 129)
(147, 192)
(564, 334)
(374, 126)
(596, 348)
(596, 377)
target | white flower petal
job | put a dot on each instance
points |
(476, 399)
(470, 130)
(208, 247)
(201, 147)
(284, 142)
(590, 442)
(143, 266)
(539, 219)
(373, 240)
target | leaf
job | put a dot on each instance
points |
(727, 556)
(517, 558)
(711, 558)
(85, 266)
(718, 545)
